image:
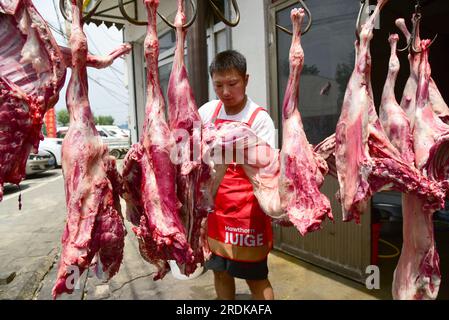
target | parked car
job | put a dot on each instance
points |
(39, 162)
(117, 131)
(54, 147)
(117, 145)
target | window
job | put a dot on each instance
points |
(167, 41)
(329, 60)
(102, 133)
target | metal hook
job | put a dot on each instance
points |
(89, 14)
(188, 24)
(358, 26)
(411, 43)
(144, 23)
(221, 15)
(309, 24)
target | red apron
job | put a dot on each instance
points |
(238, 229)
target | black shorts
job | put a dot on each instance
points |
(242, 270)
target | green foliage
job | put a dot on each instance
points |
(44, 129)
(104, 120)
(63, 117)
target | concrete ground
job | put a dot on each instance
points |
(291, 280)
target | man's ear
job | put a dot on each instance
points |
(246, 79)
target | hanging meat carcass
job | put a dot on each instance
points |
(94, 232)
(408, 101)
(302, 170)
(430, 134)
(391, 115)
(185, 125)
(149, 173)
(326, 149)
(31, 75)
(32, 72)
(417, 274)
(366, 160)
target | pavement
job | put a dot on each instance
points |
(291, 280)
(30, 248)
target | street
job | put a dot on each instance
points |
(29, 237)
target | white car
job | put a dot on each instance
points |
(118, 145)
(54, 147)
(117, 131)
(39, 162)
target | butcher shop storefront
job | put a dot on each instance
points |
(345, 248)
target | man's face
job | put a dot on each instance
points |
(230, 87)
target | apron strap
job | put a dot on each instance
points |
(254, 115)
(250, 121)
(217, 111)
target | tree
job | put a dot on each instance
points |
(63, 117)
(104, 120)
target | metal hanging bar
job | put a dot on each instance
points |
(127, 17)
(221, 16)
(89, 14)
(143, 23)
(188, 24)
(309, 24)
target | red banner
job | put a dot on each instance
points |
(50, 123)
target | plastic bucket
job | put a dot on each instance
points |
(178, 275)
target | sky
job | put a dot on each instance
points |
(108, 94)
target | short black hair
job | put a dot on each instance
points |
(227, 60)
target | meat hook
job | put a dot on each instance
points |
(221, 16)
(411, 42)
(358, 26)
(144, 23)
(309, 24)
(89, 14)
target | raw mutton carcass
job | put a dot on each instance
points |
(149, 173)
(94, 232)
(417, 275)
(31, 75)
(408, 101)
(191, 173)
(32, 72)
(302, 170)
(366, 160)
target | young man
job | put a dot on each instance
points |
(239, 232)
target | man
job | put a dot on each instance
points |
(239, 232)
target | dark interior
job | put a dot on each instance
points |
(387, 206)
(434, 21)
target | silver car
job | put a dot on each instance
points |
(39, 162)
